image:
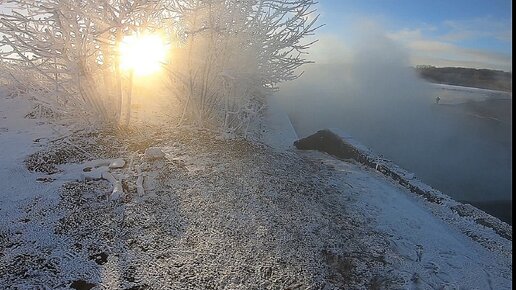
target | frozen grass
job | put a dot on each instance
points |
(216, 214)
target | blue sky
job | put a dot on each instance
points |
(467, 33)
(470, 33)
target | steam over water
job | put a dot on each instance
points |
(462, 148)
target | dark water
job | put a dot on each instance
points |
(463, 150)
(481, 174)
(501, 209)
(471, 160)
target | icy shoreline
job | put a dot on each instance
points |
(338, 144)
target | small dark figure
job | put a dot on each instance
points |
(437, 99)
(419, 253)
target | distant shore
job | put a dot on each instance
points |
(467, 77)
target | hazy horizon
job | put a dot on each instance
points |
(438, 33)
(383, 104)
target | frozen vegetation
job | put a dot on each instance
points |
(220, 57)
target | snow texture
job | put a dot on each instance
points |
(434, 247)
(221, 214)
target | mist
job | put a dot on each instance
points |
(376, 97)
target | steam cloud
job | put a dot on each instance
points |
(377, 98)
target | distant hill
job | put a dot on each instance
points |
(468, 77)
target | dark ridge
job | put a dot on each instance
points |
(468, 77)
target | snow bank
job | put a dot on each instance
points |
(342, 145)
(432, 247)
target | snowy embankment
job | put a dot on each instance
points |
(342, 145)
(219, 214)
(431, 246)
(450, 234)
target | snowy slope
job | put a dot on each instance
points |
(225, 215)
(431, 249)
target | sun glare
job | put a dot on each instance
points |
(143, 54)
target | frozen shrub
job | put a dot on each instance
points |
(65, 52)
(233, 54)
(225, 55)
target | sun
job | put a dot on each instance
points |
(144, 54)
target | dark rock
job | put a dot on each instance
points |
(329, 142)
(333, 144)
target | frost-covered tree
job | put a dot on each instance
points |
(234, 53)
(226, 55)
(71, 47)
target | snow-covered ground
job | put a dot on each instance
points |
(429, 245)
(19, 137)
(219, 214)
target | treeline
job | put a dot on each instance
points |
(468, 77)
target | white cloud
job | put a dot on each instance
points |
(423, 43)
(439, 52)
